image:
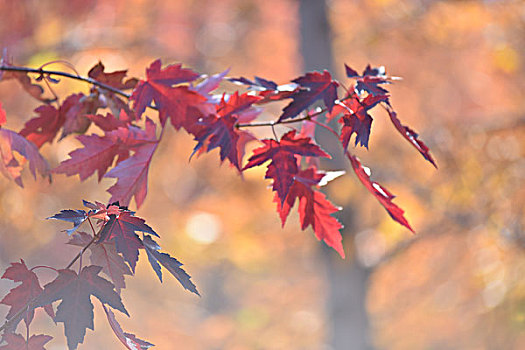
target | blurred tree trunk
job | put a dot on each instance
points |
(348, 280)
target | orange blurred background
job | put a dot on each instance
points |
(457, 284)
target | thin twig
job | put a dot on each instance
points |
(67, 75)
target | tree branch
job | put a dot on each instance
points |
(64, 74)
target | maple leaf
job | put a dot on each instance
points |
(121, 229)
(356, 118)
(9, 166)
(75, 309)
(129, 340)
(44, 128)
(23, 294)
(106, 97)
(110, 122)
(410, 135)
(381, 193)
(210, 83)
(171, 264)
(114, 79)
(258, 83)
(77, 217)
(219, 130)
(132, 173)
(179, 103)
(3, 118)
(314, 208)
(18, 342)
(99, 152)
(106, 256)
(370, 80)
(75, 109)
(70, 117)
(283, 156)
(314, 86)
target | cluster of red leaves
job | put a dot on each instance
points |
(114, 252)
(124, 146)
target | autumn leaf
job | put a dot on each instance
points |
(283, 155)
(314, 208)
(110, 122)
(18, 342)
(314, 86)
(178, 103)
(99, 153)
(356, 119)
(370, 80)
(382, 194)
(114, 79)
(106, 256)
(129, 340)
(75, 309)
(171, 264)
(70, 117)
(23, 294)
(10, 167)
(121, 229)
(411, 136)
(45, 127)
(219, 130)
(210, 83)
(77, 217)
(132, 173)
(75, 109)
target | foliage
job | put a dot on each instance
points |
(126, 143)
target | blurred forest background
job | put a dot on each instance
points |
(457, 284)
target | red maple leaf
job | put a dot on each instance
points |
(370, 80)
(75, 309)
(10, 167)
(178, 103)
(106, 97)
(70, 117)
(382, 194)
(121, 229)
(106, 256)
(23, 294)
(171, 264)
(44, 128)
(219, 130)
(411, 136)
(210, 83)
(99, 153)
(314, 86)
(283, 155)
(114, 79)
(129, 340)
(356, 119)
(132, 173)
(18, 342)
(110, 121)
(314, 208)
